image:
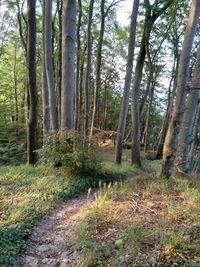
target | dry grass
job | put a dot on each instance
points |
(146, 221)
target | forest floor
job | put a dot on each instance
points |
(50, 243)
(28, 194)
(142, 221)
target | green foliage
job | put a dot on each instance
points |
(11, 243)
(13, 154)
(27, 194)
(72, 151)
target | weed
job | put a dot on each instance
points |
(146, 221)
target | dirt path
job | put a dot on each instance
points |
(49, 245)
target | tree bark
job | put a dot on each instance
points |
(195, 141)
(135, 110)
(77, 94)
(59, 79)
(15, 87)
(171, 98)
(127, 84)
(135, 113)
(147, 90)
(45, 93)
(31, 64)
(88, 70)
(80, 121)
(98, 69)
(68, 64)
(49, 66)
(146, 131)
(182, 165)
(171, 140)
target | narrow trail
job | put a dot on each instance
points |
(50, 245)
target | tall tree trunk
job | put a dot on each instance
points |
(185, 139)
(49, 66)
(59, 81)
(135, 110)
(77, 95)
(31, 63)
(98, 70)
(171, 140)
(68, 64)
(127, 84)
(105, 106)
(135, 114)
(45, 93)
(88, 70)
(15, 87)
(148, 117)
(80, 122)
(171, 98)
(195, 141)
(147, 90)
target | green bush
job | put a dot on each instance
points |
(79, 155)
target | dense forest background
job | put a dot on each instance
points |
(51, 84)
(99, 133)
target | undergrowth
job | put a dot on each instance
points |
(28, 193)
(146, 221)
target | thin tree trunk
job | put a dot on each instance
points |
(127, 84)
(77, 95)
(182, 163)
(59, 82)
(147, 90)
(80, 124)
(15, 87)
(148, 118)
(171, 97)
(171, 140)
(105, 106)
(45, 93)
(68, 64)
(98, 70)
(185, 138)
(88, 71)
(135, 110)
(31, 63)
(49, 66)
(135, 105)
(195, 142)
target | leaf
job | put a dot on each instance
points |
(119, 243)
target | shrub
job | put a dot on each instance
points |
(72, 151)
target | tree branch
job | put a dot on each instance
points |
(113, 3)
(157, 14)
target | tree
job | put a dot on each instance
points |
(127, 83)
(77, 96)
(88, 69)
(68, 64)
(104, 14)
(49, 66)
(152, 13)
(45, 93)
(98, 68)
(195, 142)
(176, 32)
(32, 89)
(171, 140)
(59, 74)
(182, 163)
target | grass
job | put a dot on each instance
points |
(146, 221)
(29, 193)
